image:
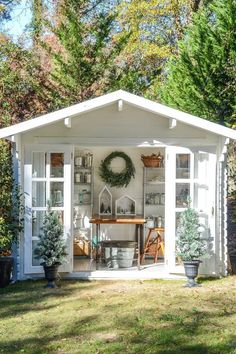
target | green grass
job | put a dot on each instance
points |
(118, 317)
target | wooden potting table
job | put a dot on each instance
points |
(137, 220)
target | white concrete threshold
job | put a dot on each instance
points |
(153, 271)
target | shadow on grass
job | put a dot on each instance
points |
(30, 295)
(119, 326)
(136, 336)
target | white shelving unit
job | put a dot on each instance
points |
(83, 204)
(154, 195)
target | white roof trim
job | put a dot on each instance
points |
(110, 98)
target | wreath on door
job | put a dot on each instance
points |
(117, 179)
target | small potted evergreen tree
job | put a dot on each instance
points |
(190, 245)
(51, 249)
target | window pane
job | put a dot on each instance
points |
(38, 194)
(56, 194)
(37, 222)
(182, 166)
(35, 260)
(57, 164)
(39, 164)
(182, 194)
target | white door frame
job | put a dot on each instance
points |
(28, 178)
(202, 195)
(170, 205)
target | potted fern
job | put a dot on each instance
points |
(190, 244)
(51, 249)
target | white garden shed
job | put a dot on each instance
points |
(58, 155)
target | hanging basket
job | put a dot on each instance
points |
(152, 160)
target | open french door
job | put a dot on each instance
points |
(190, 175)
(47, 176)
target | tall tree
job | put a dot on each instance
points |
(81, 51)
(155, 26)
(37, 22)
(202, 79)
(24, 88)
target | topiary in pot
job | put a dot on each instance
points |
(51, 248)
(190, 245)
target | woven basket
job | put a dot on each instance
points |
(152, 161)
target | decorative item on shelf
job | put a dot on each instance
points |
(79, 177)
(156, 180)
(125, 205)
(155, 199)
(78, 219)
(159, 221)
(88, 159)
(154, 160)
(79, 159)
(84, 159)
(117, 179)
(105, 201)
(150, 222)
(87, 177)
(86, 196)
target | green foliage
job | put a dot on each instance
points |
(190, 245)
(202, 79)
(117, 179)
(155, 26)
(82, 54)
(24, 89)
(231, 169)
(51, 247)
(11, 223)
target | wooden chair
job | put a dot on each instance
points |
(154, 243)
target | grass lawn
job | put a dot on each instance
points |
(118, 317)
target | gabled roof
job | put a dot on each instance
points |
(110, 98)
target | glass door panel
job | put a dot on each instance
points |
(38, 194)
(183, 187)
(57, 194)
(47, 178)
(56, 165)
(39, 165)
(37, 222)
(182, 166)
(182, 195)
(35, 260)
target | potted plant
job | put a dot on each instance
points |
(190, 244)
(51, 248)
(11, 224)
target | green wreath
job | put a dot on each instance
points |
(115, 179)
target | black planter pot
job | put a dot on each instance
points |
(51, 273)
(6, 266)
(191, 272)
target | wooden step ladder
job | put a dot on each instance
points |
(154, 243)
